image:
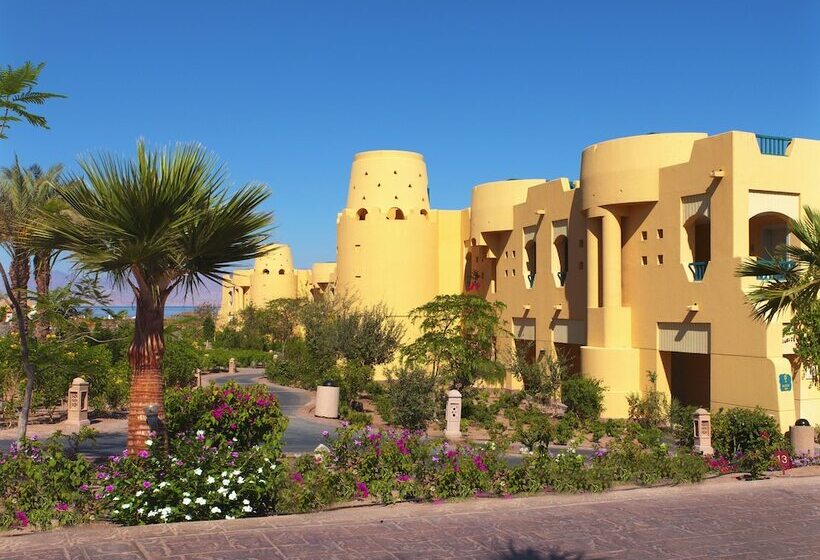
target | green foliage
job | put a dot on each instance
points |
(354, 378)
(651, 408)
(208, 328)
(804, 330)
(17, 94)
(681, 421)
(457, 339)
(218, 358)
(583, 396)
(535, 430)
(541, 378)
(180, 363)
(411, 397)
(739, 430)
(42, 486)
(262, 328)
(241, 417)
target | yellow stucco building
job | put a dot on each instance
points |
(628, 270)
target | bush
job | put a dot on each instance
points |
(42, 486)
(243, 417)
(295, 368)
(180, 363)
(584, 396)
(218, 358)
(651, 408)
(354, 379)
(681, 422)
(739, 430)
(410, 393)
(542, 377)
(535, 430)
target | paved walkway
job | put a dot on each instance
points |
(303, 433)
(723, 518)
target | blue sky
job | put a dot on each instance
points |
(286, 93)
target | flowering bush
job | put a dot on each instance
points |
(738, 430)
(41, 486)
(195, 481)
(244, 416)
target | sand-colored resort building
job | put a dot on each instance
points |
(628, 270)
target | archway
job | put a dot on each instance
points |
(395, 214)
(362, 214)
(699, 242)
(561, 246)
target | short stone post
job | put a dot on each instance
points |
(327, 400)
(802, 436)
(232, 366)
(78, 403)
(198, 377)
(453, 430)
(702, 424)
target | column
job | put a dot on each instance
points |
(612, 260)
(593, 230)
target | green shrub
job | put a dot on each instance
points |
(240, 416)
(535, 430)
(651, 408)
(411, 396)
(354, 379)
(180, 363)
(739, 430)
(681, 422)
(218, 358)
(42, 486)
(583, 396)
(541, 378)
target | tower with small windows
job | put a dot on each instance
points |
(273, 276)
(387, 235)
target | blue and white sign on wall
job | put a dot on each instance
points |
(785, 382)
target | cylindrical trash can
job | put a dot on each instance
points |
(327, 401)
(802, 436)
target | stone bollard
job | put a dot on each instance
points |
(327, 401)
(802, 438)
(232, 366)
(453, 430)
(78, 403)
(198, 377)
(702, 424)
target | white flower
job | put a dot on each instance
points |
(200, 501)
(232, 496)
(240, 480)
(224, 474)
(186, 494)
(225, 482)
(139, 493)
(247, 509)
(163, 484)
(126, 506)
(230, 517)
(152, 513)
(140, 510)
(222, 490)
(234, 439)
(246, 501)
(216, 510)
(186, 501)
(187, 518)
(210, 480)
(149, 443)
(198, 472)
(200, 432)
(259, 470)
(236, 472)
(116, 498)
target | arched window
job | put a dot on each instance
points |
(562, 253)
(362, 213)
(529, 251)
(423, 213)
(281, 272)
(699, 236)
(266, 271)
(395, 214)
(767, 232)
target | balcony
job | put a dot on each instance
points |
(784, 265)
(562, 277)
(772, 145)
(698, 270)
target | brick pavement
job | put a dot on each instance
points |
(724, 518)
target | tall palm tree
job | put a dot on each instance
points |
(23, 193)
(791, 275)
(157, 223)
(17, 95)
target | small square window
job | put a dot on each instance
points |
(513, 272)
(644, 260)
(506, 273)
(513, 253)
(660, 234)
(660, 259)
(644, 235)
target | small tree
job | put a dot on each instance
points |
(542, 377)
(458, 339)
(17, 95)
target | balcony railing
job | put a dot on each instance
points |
(698, 270)
(531, 279)
(782, 264)
(562, 277)
(772, 145)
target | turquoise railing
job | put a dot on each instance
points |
(772, 145)
(562, 277)
(698, 269)
(786, 264)
(531, 279)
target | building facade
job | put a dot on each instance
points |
(627, 271)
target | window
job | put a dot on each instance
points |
(644, 236)
(531, 264)
(660, 234)
(362, 214)
(281, 272)
(266, 271)
(395, 214)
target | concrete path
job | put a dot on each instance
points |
(724, 518)
(303, 434)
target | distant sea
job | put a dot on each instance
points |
(131, 310)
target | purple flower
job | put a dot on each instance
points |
(325, 433)
(479, 463)
(61, 506)
(600, 452)
(402, 477)
(234, 454)
(436, 458)
(146, 484)
(357, 442)
(102, 476)
(297, 477)
(361, 490)
(109, 488)
(143, 454)
(84, 488)
(22, 518)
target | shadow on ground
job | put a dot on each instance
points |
(531, 554)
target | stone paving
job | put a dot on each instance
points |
(723, 518)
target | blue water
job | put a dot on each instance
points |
(131, 310)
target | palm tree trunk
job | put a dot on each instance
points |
(145, 357)
(19, 274)
(42, 277)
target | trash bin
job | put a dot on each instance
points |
(802, 436)
(327, 400)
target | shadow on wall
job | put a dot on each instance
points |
(532, 554)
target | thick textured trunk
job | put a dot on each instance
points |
(19, 274)
(145, 357)
(42, 277)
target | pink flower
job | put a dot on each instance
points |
(325, 433)
(22, 518)
(297, 477)
(109, 488)
(146, 484)
(61, 506)
(403, 477)
(84, 488)
(361, 490)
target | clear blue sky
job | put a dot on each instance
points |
(286, 93)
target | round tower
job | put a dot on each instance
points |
(273, 276)
(387, 242)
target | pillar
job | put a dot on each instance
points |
(593, 230)
(611, 260)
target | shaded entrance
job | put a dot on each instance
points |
(689, 377)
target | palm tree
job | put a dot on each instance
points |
(791, 275)
(17, 93)
(157, 223)
(23, 193)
